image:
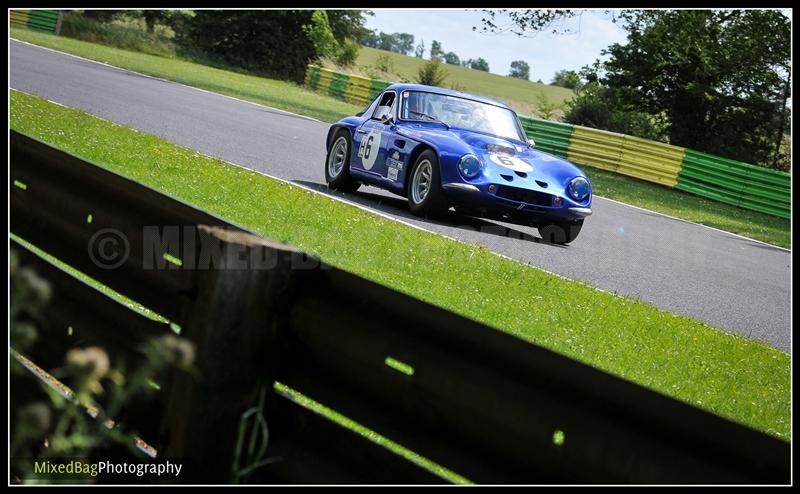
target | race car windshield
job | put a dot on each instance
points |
(460, 113)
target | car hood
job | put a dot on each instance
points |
(493, 151)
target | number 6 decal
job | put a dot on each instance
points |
(368, 147)
(511, 162)
(368, 150)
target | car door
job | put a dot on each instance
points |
(372, 138)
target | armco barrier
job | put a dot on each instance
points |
(733, 182)
(649, 160)
(550, 137)
(484, 404)
(37, 20)
(741, 184)
(597, 148)
(351, 88)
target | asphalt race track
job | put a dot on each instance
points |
(727, 281)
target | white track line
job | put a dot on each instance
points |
(320, 121)
(167, 80)
(693, 223)
(403, 222)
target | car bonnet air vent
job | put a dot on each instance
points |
(507, 177)
(542, 184)
(496, 148)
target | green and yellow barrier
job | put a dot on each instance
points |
(550, 137)
(597, 148)
(348, 87)
(652, 161)
(37, 20)
(725, 180)
(733, 182)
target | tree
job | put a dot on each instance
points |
(567, 78)
(451, 58)
(396, 42)
(601, 107)
(436, 51)
(419, 52)
(321, 35)
(431, 73)
(171, 18)
(479, 64)
(153, 16)
(720, 77)
(526, 22)
(404, 43)
(369, 39)
(520, 70)
(348, 23)
(102, 15)
(237, 37)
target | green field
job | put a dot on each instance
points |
(290, 97)
(522, 95)
(737, 378)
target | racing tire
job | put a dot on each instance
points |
(425, 195)
(560, 232)
(337, 164)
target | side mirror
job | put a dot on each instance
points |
(387, 119)
(383, 113)
(531, 143)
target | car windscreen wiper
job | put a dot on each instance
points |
(429, 117)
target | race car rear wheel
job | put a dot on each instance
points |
(425, 195)
(560, 232)
(337, 164)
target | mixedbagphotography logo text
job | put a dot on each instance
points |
(81, 469)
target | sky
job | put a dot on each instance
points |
(545, 53)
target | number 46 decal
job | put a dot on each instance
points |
(368, 149)
(365, 149)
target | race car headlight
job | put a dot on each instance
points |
(579, 188)
(469, 166)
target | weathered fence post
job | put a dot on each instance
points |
(244, 288)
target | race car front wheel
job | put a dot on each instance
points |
(337, 165)
(425, 195)
(560, 232)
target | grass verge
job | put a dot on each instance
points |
(752, 224)
(741, 379)
(287, 96)
(269, 92)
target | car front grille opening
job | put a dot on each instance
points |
(524, 195)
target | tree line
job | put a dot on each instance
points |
(275, 43)
(718, 81)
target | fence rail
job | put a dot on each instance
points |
(480, 402)
(741, 184)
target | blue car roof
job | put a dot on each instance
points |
(449, 92)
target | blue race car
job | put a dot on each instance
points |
(442, 148)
